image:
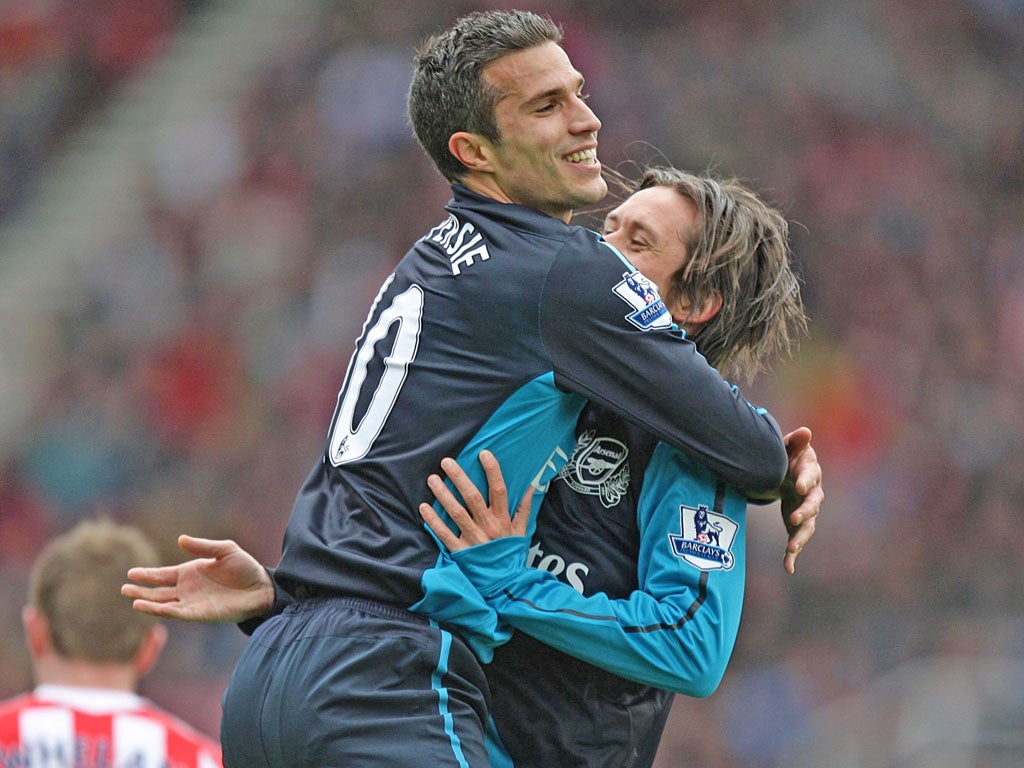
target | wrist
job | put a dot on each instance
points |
(267, 596)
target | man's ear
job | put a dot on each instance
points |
(472, 150)
(710, 307)
(37, 631)
(150, 650)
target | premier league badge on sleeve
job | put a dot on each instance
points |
(640, 293)
(706, 540)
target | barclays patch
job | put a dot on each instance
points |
(650, 312)
(705, 539)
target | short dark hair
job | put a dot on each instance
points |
(448, 93)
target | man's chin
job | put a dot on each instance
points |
(593, 192)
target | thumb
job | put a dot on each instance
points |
(797, 440)
(205, 547)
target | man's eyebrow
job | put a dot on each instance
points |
(558, 90)
(645, 228)
(638, 225)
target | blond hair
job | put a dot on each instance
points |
(76, 585)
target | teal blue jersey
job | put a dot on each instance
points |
(630, 588)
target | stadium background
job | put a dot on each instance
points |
(198, 200)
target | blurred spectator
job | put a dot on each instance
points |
(59, 59)
(89, 652)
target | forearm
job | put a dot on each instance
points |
(680, 641)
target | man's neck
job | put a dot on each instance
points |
(486, 186)
(86, 674)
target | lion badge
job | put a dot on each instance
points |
(705, 539)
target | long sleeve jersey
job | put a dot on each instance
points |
(492, 332)
(629, 589)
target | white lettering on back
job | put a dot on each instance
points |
(460, 240)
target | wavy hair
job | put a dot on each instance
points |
(741, 249)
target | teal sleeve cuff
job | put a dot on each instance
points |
(491, 565)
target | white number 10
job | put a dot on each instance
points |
(349, 442)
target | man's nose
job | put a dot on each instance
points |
(584, 119)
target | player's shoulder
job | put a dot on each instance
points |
(12, 706)
(508, 224)
(12, 712)
(181, 730)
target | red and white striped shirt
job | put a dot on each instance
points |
(64, 727)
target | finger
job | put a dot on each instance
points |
(438, 526)
(474, 500)
(809, 507)
(797, 440)
(447, 499)
(799, 538)
(796, 545)
(521, 520)
(497, 491)
(167, 574)
(152, 594)
(789, 562)
(163, 610)
(807, 471)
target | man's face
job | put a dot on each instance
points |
(651, 229)
(547, 156)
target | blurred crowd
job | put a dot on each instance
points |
(192, 383)
(59, 61)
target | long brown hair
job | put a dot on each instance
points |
(741, 249)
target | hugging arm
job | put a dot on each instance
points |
(676, 632)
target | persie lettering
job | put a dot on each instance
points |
(463, 244)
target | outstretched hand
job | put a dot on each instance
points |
(224, 583)
(801, 494)
(480, 520)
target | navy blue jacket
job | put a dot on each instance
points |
(492, 332)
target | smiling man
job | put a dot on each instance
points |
(491, 333)
(545, 156)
